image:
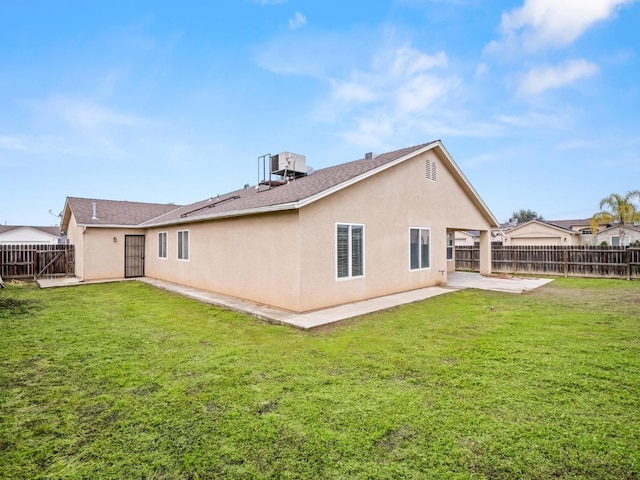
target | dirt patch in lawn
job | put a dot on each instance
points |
(14, 307)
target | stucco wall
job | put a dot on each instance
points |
(251, 257)
(388, 204)
(104, 256)
(76, 238)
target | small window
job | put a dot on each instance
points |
(419, 240)
(450, 246)
(162, 245)
(183, 245)
(349, 250)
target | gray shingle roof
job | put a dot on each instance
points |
(115, 212)
(252, 199)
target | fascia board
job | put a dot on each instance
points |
(215, 216)
(363, 176)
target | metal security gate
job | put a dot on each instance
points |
(133, 256)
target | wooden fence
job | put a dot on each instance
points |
(568, 261)
(36, 261)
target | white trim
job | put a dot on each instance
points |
(420, 254)
(350, 275)
(188, 245)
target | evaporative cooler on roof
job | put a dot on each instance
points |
(289, 165)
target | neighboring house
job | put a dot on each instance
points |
(26, 235)
(611, 236)
(580, 225)
(371, 227)
(466, 239)
(536, 232)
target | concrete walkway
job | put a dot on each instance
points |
(497, 283)
(306, 321)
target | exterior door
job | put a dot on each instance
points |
(133, 256)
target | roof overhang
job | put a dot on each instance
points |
(437, 146)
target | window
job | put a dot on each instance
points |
(419, 239)
(615, 241)
(349, 250)
(450, 246)
(183, 245)
(162, 245)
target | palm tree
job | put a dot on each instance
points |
(618, 209)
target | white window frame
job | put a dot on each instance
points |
(450, 246)
(350, 275)
(180, 243)
(163, 247)
(420, 267)
(624, 243)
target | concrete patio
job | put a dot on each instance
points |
(310, 320)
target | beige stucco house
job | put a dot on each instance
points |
(29, 235)
(380, 225)
(537, 232)
(611, 236)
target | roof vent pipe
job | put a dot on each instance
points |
(368, 156)
(94, 217)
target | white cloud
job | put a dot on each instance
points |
(297, 21)
(409, 61)
(552, 23)
(86, 114)
(539, 79)
(351, 91)
(14, 143)
(421, 91)
(481, 71)
(269, 2)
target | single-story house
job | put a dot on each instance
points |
(536, 232)
(379, 225)
(28, 235)
(465, 239)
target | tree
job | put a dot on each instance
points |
(523, 216)
(617, 209)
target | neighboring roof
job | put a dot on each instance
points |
(112, 212)
(302, 191)
(542, 224)
(615, 228)
(54, 231)
(583, 222)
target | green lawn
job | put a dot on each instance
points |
(125, 381)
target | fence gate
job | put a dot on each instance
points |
(133, 256)
(30, 262)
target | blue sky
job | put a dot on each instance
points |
(538, 101)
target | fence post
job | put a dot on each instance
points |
(565, 261)
(627, 254)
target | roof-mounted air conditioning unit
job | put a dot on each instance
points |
(290, 165)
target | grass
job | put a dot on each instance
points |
(125, 381)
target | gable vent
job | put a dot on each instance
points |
(430, 170)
